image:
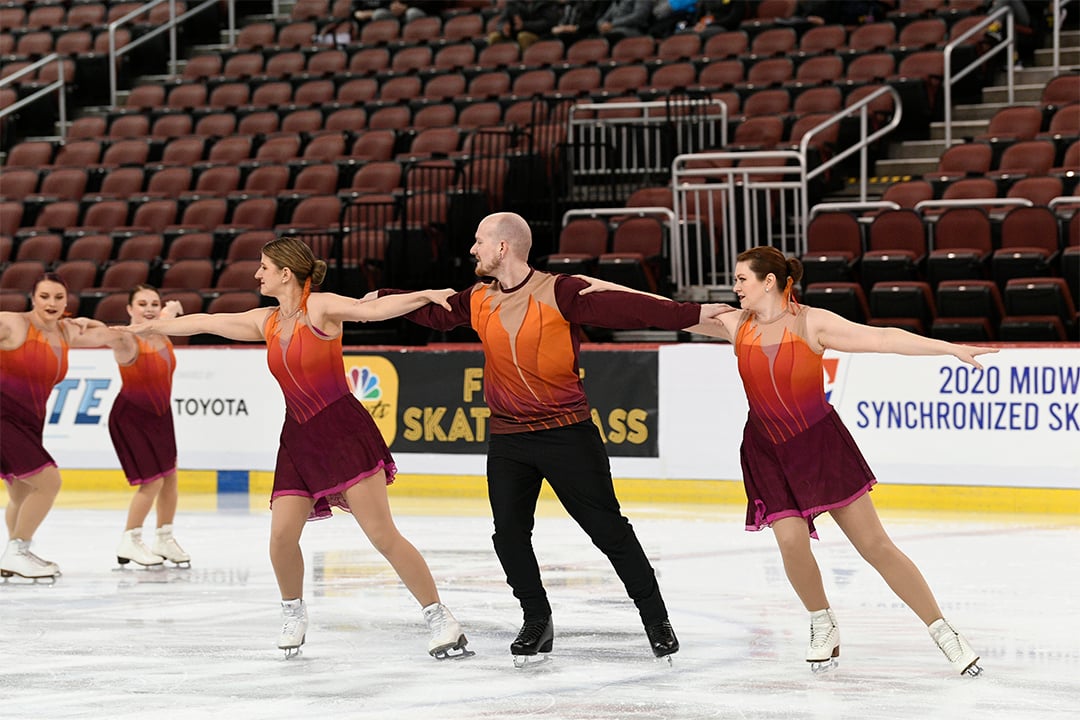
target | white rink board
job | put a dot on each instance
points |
(1019, 420)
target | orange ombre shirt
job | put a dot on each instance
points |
(29, 372)
(308, 366)
(147, 381)
(531, 336)
(783, 377)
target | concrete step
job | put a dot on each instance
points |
(1044, 57)
(960, 129)
(159, 79)
(1025, 94)
(916, 167)
(916, 149)
(985, 111)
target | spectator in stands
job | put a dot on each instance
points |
(798, 458)
(1029, 34)
(717, 16)
(364, 10)
(846, 12)
(578, 19)
(670, 16)
(625, 18)
(525, 21)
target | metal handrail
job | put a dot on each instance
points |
(851, 206)
(643, 211)
(1064, 200)
(863, 108)
(57, 84)
(1057, 7)
(645, 107)
(1010, 42)
(170, 26)
(973, 202)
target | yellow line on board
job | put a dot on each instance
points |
(96, 488)
(730, 492)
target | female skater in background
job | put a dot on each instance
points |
(141, 427)
(331, 452)
(33, 358)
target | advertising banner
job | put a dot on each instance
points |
(918, 420)
(933, 420)
(433, 401)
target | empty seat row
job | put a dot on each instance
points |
(55, 15)
(166, 215)
(1027, 309)
(103, 250)
(959, 245)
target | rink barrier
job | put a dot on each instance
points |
(209, 489)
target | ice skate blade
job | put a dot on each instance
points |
(823, 666)
(668, 660)
(9, 576)
(455, 651)
(123, 561)
(180, 564)
(973, 670)
(294, 651)
(529, 661)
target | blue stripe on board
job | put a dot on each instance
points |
(232, 481)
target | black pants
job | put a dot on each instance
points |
(575, 464)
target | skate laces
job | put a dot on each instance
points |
(531, 631)
(293, 616)
(35, 559)
(949, 641)
(437, 619)
(660, 628)
(821, 628)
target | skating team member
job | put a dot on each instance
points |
(33, 358)
(331, 452)
(141, 427)
(798, 459)
(529, 325)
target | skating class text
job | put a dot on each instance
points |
(443, 424)
(984, 414)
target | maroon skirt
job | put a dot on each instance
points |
(328, 454)
(22, 452)
(145, 442)
(818, 470)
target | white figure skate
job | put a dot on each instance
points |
(824, 641)
(955, 648)
(18, 560)
(294, 627)
(166, 546)
(447, 640)
(132, 548)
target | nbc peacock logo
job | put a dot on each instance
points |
(374, 382)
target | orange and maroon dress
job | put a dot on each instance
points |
(27, 376)
(141, 420)
(798, 458)
(329, 441)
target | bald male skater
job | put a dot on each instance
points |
(541, 427)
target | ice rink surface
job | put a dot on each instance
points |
(201, 643)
